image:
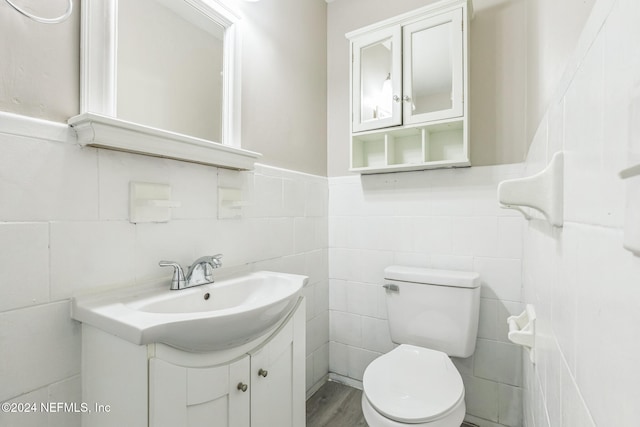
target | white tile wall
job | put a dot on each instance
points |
(499, 362)
(40, 346)
(43, 181)
(68, 390)
(481, 397)
(65, 391)
(583, 283)
(29, 419)
(89, 254)
(24, 262)
(509, 405)
(441, 219)
(64, 230)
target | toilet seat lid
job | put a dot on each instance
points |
(413, 384)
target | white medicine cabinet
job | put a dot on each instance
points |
(409, 90)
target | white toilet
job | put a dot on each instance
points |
(433, 314)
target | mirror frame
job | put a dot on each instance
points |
(97, 124)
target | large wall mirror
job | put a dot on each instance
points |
(158, 78)
(170, 68)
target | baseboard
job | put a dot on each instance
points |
(345, 380)
(314, 388)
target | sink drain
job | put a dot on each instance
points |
(207, 296)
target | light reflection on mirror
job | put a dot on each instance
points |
(169, 68)
(377, 98)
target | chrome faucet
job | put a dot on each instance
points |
(199, 273)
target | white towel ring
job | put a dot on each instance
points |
(57, 20)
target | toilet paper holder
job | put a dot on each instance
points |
(522, 330)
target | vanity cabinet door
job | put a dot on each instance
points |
(376, 80)
(278, 378)
(433, 68)
(199, 397)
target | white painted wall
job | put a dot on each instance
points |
(498, 73)
(583, 283)
(284, 81)
(553, 28)
(40, 67)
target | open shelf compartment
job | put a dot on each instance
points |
(427, 146)
(368, 151)
(445, 142)
(405, 146)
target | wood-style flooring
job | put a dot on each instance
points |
(338, 405)
(335, 405)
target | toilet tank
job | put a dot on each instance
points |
(436, 309)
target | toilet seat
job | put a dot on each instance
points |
(413, 385)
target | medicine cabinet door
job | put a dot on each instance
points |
(377, 80)
(433, 68)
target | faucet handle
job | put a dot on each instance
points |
(177, 281)
(210, 262)
(216, 260)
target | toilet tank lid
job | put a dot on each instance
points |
(459, 279)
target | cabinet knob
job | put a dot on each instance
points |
(263, 373)
(406, 98)
(396, 98)
(243, 387)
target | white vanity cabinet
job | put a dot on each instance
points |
(409, 90)
(258, 384)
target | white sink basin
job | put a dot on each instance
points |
(211, 317)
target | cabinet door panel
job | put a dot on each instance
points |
(273, 391)
(213, 413)
(283, 386)
(206, 384)
(376, 80)
(198, 397)
(239, 402)
(167, 394)
(433, 68)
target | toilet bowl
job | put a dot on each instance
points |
(413, 386)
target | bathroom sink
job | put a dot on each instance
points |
(211, 317)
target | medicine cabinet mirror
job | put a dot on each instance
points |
(377, 82)
(433, 68)
(158, 77)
